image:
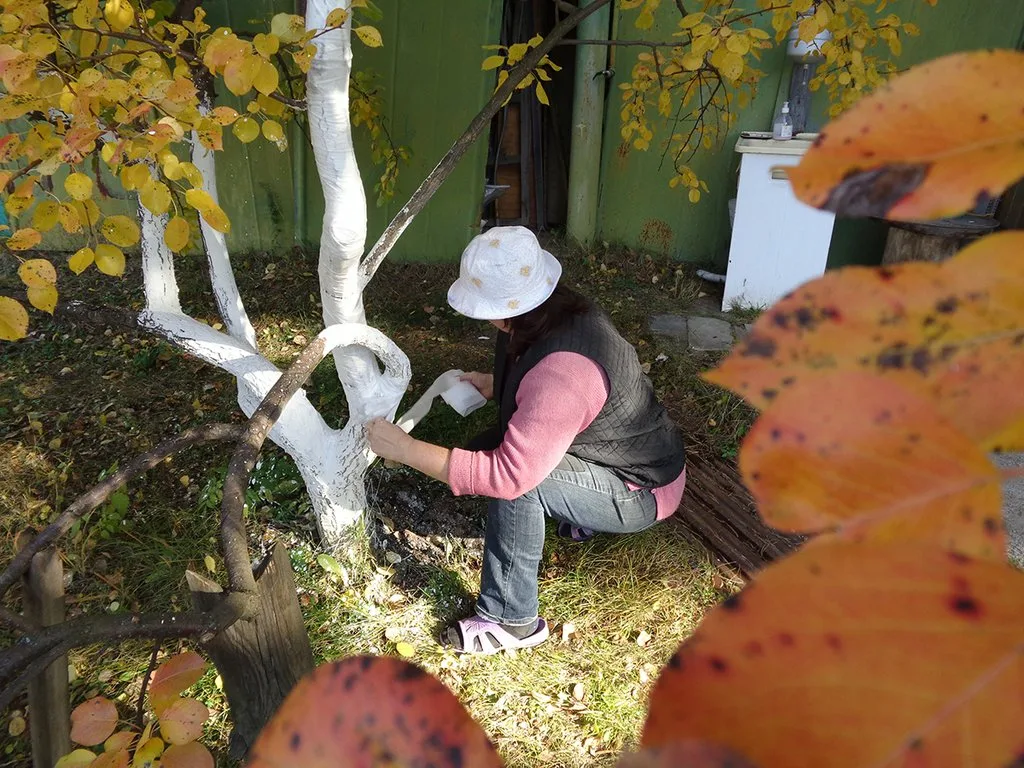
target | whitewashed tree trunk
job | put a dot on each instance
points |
(333, 462)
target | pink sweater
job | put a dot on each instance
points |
(557, 399)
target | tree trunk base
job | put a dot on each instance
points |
(259, 660)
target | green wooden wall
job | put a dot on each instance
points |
(432, 90)
(638, 209)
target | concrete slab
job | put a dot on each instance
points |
(709, 334)
(1013, 506)
(669, 325)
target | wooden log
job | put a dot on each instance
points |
(259, 660)
(49, 707)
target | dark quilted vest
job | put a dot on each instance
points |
(633, 434)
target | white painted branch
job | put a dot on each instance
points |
(222, 277)
(344, 226)
(161, 284)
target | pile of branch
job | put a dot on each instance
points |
(719, 513)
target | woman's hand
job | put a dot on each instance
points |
(388, 441)
(484, 383)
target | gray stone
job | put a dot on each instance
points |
(1013, 506)
(709, 334)
(669, 325)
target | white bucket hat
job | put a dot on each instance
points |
(504, 273)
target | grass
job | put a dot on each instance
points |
(74, 402)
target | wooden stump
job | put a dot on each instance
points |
(49, 708)
(259, 660)
(933, 241)
(719, 512)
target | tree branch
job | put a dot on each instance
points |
(32, 654)
(462, 145)
(140, 711)
(99, 493)
(641, 43)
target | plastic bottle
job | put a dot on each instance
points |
(783, 128)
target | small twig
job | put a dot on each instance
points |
(140, 710)
(642, 43)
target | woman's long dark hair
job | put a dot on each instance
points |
(559, 308)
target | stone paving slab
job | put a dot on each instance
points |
(709, 334)
(669, 325)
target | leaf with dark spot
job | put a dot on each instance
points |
(876, 461)
(880, 160)
(415, 721)
(969, 363)
(878, 663)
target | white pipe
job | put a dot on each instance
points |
(711, 277)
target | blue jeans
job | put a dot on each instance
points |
(577, 492)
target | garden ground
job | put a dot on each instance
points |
(74, 402)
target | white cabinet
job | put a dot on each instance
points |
(778, 243)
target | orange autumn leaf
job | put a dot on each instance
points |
(952, 331)
(93, 721)
(855, 655)
(190, 755)
(929, 144)
(858, 452)
(174, 676)
(368, 710)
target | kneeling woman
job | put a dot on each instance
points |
(580, 436)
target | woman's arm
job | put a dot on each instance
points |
(391, 442)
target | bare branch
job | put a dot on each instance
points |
(232, 526)
(16, 621)
(140, 712)
(32, 654)
(641, 43)
(96, 495)
(475, 129)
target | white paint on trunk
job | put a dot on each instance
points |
(157, 264)
(222, 276)
(344, 226)
(332, 462)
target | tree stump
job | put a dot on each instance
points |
(933, 241)
(259, 660)
(49, 704)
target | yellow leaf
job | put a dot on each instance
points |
(516, 53)
(728, 63)
(109, 260)
(120, 230)
(216, 218)
(210, 563)
(645, 20)
(13, 320)
(272, 131)
(41, 44)
(337, 17)
(177, 234)
(405, 649)
(81, 260)
(77, 759)
(266, 46)
(691, 20)
(802, 6)
(69, 219)
(692, 61)
(199, 199)
(37, 273)
(24, 239)
(739, 44)
(45, 216)
(542, 95)
(288, 27)
(43, 298)
(370, 36)
(79, 186)
(241, 72)
(266, 78)
(156, 197)
(492, 62)
(148, 754)
(191, 174)
(246, 130)
(223, 116)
